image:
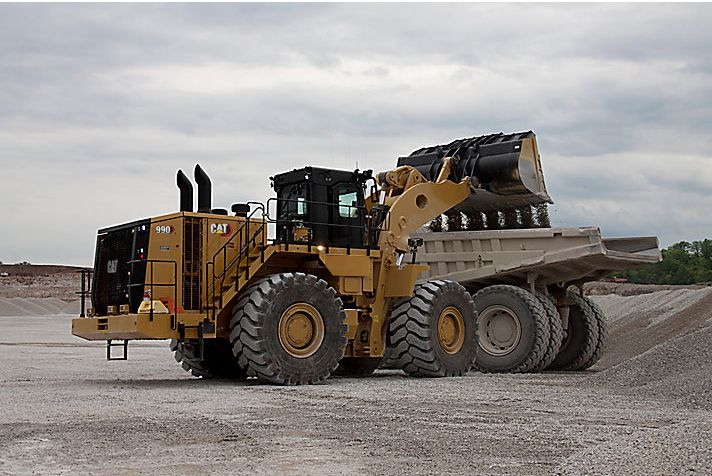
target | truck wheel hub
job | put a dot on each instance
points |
(499, 330)
(301, 330)
(451, 330)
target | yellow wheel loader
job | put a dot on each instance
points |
(322, 276)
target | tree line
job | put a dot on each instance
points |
(683, 263)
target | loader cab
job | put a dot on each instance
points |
(322, 207)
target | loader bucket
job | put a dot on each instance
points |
(505, 168)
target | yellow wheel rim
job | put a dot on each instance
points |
(451, 330)
(301, 330)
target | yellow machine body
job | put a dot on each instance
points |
(185, 281)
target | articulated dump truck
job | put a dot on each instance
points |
(335, 275)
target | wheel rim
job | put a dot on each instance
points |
(451, 330)
(301, 330)
(499, 330)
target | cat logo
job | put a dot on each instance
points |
(222, 229)
(112, 265)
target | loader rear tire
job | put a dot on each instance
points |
(513, 329)
(580, 336)
(434, 333)
(556, 332)
(357, 366)
(288, 329)
(602, 340)
(218, 360)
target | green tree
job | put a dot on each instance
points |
(682, 263)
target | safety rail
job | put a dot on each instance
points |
(151, 284)
(244, 240)
(86, 289)
(368, 241)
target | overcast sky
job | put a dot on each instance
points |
(101, 104)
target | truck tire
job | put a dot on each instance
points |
(357, 366)
(389, 361)
(289, 329)
(602, 340)
(218, 360)
(513, 329)
(556, 332)
(580, 338)
(434, 334)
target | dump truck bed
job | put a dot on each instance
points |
(549, 255)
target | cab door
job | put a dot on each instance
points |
(347, 216)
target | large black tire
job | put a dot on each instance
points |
(263, 348)
(580, 337)
(357, 366)
(513, 329)
(434, 333)
(218, 360)
(602, 340)
(389, 361)
(556, 332)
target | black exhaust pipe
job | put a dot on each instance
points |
(186, 192)
(205, 192)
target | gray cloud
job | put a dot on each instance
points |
(99, 104)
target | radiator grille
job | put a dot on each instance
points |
(192, 263)
(115, 249)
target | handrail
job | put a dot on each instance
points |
(174, 284)
(243, 232)
(260, 206)
(86, 289)
(247, 240)
(368, 225)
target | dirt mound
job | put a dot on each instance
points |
(599, 288)
(678, 369)
(40, 281)
(639, 323)
(659, 345)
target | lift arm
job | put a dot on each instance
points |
(413, 201)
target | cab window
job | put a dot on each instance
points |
(348, 204)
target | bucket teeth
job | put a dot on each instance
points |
(510, 192)
(513, 218)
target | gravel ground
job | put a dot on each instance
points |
(66, 410)
(20, 306)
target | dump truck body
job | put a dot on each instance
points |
(546, 256)
(530, 317)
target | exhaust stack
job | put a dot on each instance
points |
(205, 192)
(186, 192)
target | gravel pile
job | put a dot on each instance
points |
(639, 323)
(679, 369)
(600, 288)
(650, 309)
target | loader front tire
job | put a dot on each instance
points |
(580, 336)
(434, 333)
(288, 329)
(513, 329)
(217, 362)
